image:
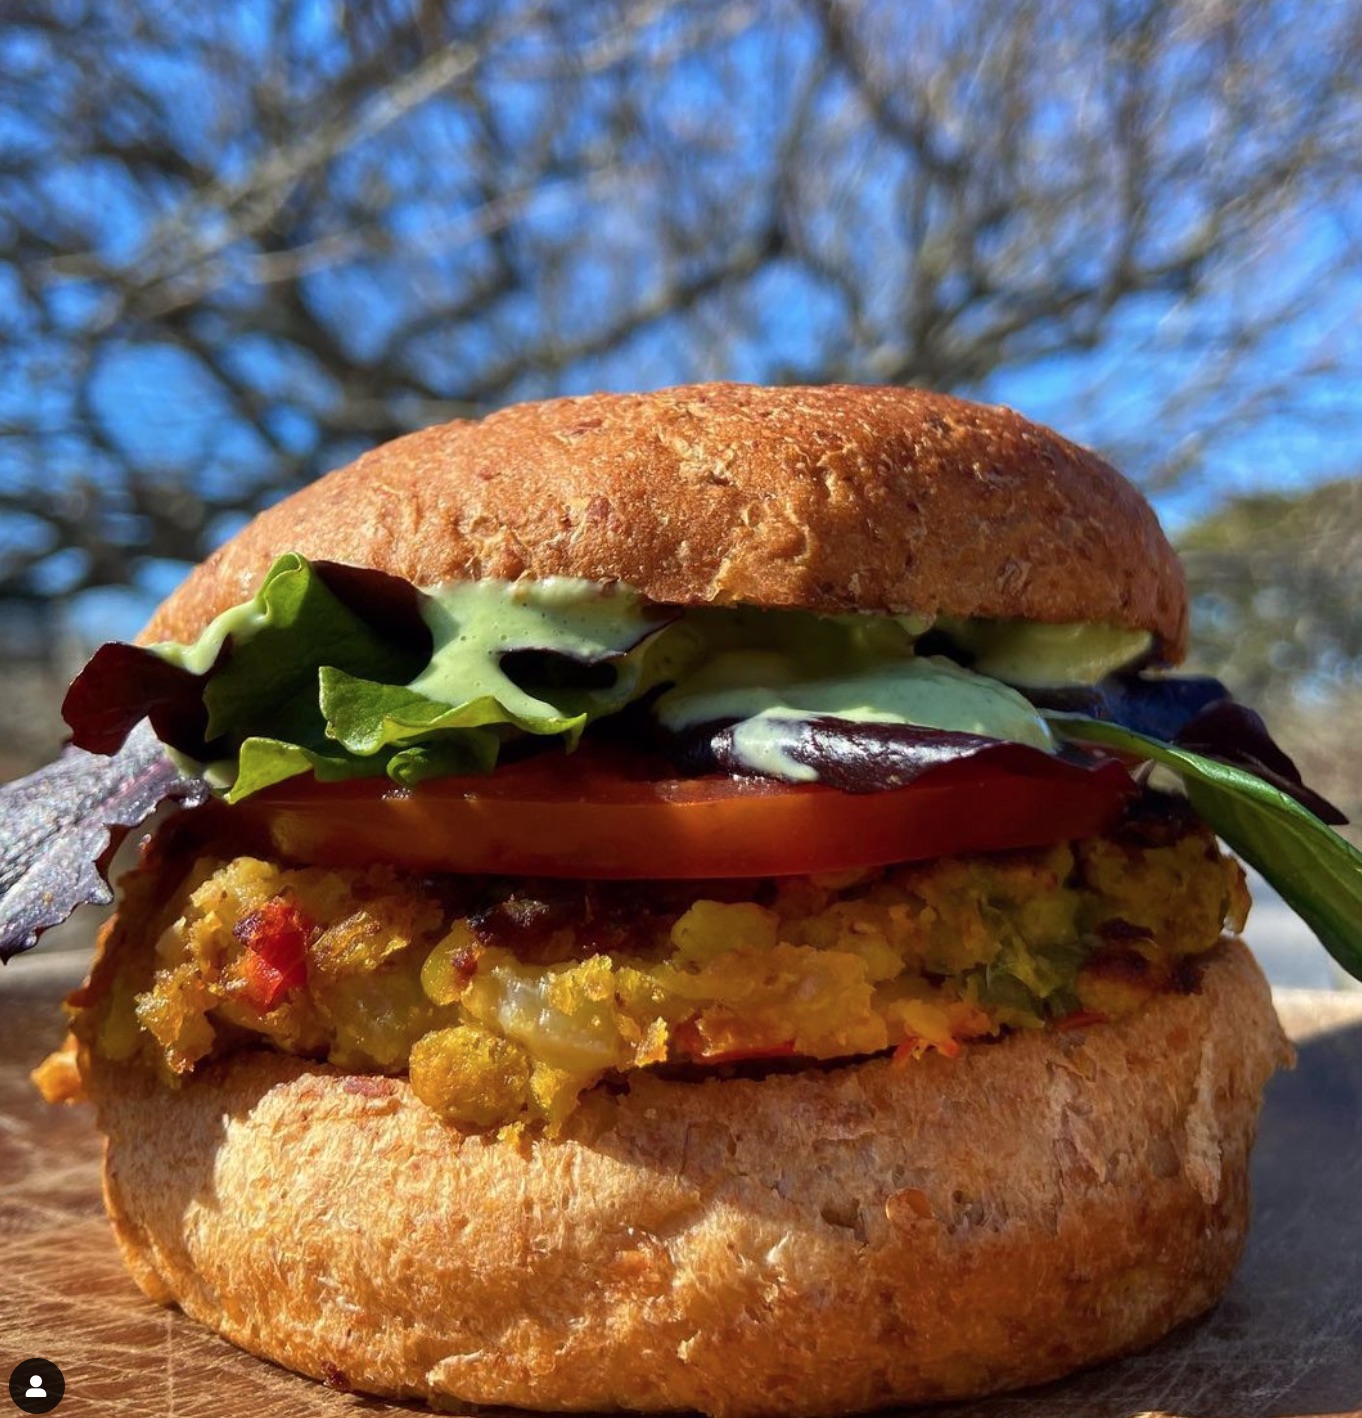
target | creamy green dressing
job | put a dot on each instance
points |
(474, 623)
(758, 669)
(242, 623)
(858, 668)
(580, 619)
(1031, 654)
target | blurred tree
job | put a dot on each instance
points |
(1276, 587)
(238, 243)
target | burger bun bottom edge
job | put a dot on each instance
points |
(825, 1241)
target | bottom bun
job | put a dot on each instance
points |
(815, 1242)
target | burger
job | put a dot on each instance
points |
(706, 900)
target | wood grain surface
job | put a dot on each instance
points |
(1286, 1340)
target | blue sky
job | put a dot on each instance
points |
(1290, 417)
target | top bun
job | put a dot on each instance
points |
(829, 499)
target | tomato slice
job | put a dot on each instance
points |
(587, 816)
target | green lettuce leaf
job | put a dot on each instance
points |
(294, 626)
(455, 755)
(263, 761)
(1316, 871)
(453, 717)
(365, 717)
(298, 682)
(262, 697)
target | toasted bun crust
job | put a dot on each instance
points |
(817, 1242)
(830, 499)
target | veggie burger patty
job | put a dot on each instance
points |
(504, 1000)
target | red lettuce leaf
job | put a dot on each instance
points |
(385, 603)
(122, 685)
(59, 825)
(857, 757)
(1193, 712)
(1157, 705)
(1233, 733)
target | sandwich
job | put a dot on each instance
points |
(706, 900)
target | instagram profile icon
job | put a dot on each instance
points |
(36, 1386)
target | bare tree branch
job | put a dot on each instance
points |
(234, 254)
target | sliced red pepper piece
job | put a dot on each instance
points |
(276, 937)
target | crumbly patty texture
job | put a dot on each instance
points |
(819, 1242)
(831, 499)
(505, 1002)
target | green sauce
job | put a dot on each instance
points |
(311, 686)
(1031, 654)
(474, 623)
(242, 623)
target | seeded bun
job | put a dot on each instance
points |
(817, 1242)
(828, 499)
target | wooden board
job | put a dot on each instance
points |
(1287, 1339)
